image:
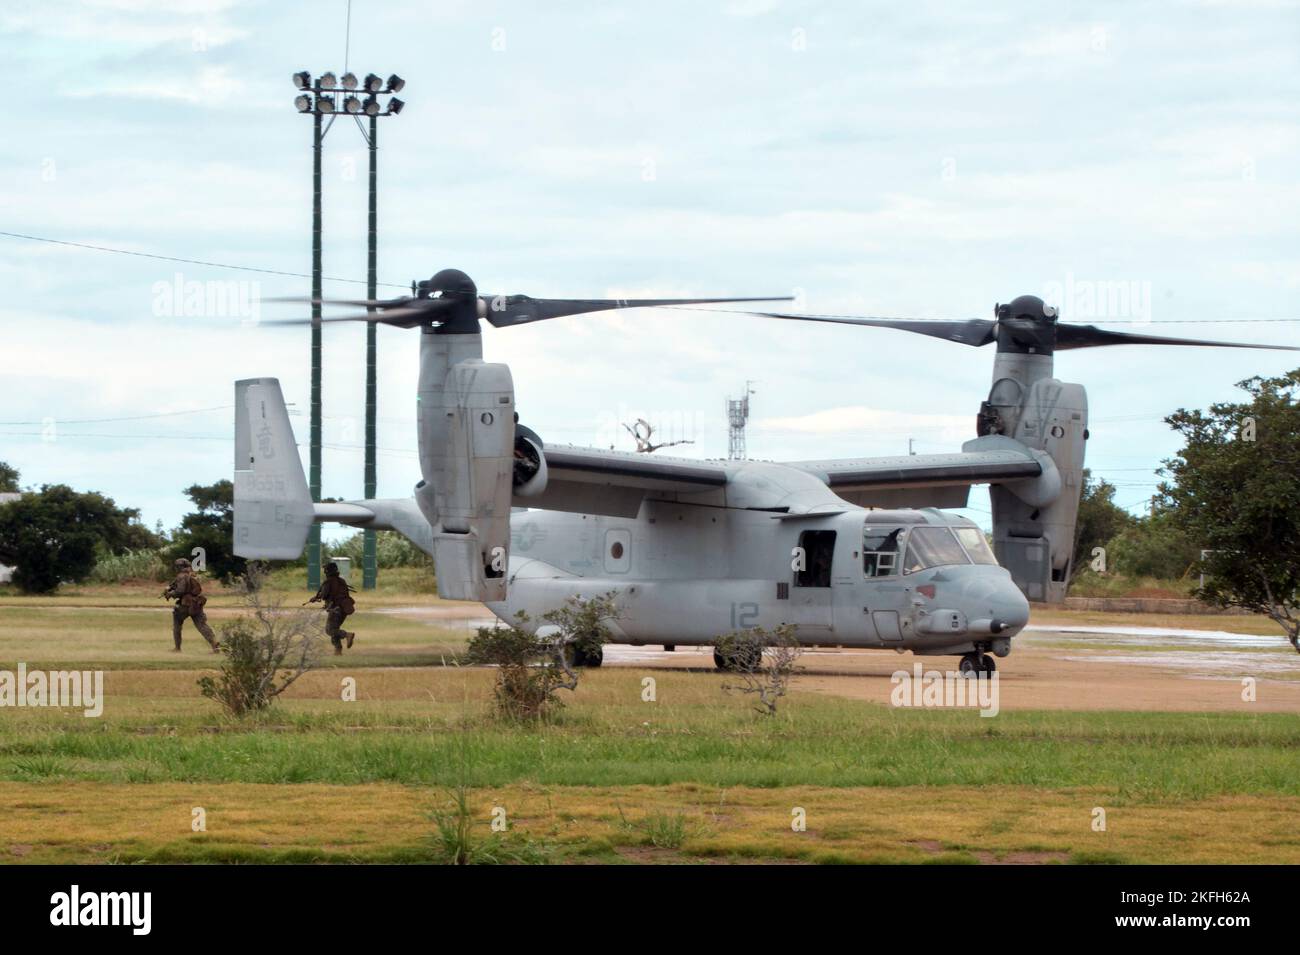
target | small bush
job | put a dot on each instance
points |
(129, 565)
(766, 675)
(263, 652)
(534, 665)
(391, 550)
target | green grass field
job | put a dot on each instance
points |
(693, 776)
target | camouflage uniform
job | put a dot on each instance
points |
(187, 590)
(336, 593)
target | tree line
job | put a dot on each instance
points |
(53, 534)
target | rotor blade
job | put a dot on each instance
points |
(972, 331)
(1090, 336)
(400, 317)
(354, 302)
(505, 310)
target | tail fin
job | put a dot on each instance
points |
(273, 507)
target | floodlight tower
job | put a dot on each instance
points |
(325, 96)
(374, 87)
(737, 416)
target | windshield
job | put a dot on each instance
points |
(932, 547)
(977, 547)
(880, 551)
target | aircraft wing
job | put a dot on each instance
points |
(614, 483)
(927, 480)
(592, 481)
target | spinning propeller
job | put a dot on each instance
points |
(1026, 326)
(451, 301)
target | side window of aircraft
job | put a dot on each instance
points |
(977, 548)
(880, 551)
(819, 549)
(932, 547)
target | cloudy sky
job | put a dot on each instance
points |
(913, 159)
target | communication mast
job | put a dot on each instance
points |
(737, 416)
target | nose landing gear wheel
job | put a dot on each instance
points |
(973, 664)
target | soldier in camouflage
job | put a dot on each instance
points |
(339, 605)
(188, 593)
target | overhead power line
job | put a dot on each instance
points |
(184, 261)
(139, 417)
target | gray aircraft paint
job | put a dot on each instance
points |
(687, 574)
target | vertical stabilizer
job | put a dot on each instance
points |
(273, 507)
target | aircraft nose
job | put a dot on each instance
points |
(1010, 608)
(996, 602)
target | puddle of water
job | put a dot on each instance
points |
(1208, 653)
(1205, 664)
(1156, 636)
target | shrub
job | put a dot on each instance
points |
(534, 665)
(765, 675)
(129, 565)
(262, 652)
(1153, 547)
(391, 550)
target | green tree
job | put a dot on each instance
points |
(1100, 519)
(391, 550)
(55, 534)
(210, 526)
(1235, 490)
(8, 478)
(1152, 546)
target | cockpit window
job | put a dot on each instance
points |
(932, 547)
(977, 548)
(880, 551)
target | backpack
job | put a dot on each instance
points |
(193, 599)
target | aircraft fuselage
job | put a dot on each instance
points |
(685, 574)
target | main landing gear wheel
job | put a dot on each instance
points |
(745, 658)
(580, 657)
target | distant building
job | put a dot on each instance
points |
(7, 573)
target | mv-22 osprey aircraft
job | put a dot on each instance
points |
(853, 553)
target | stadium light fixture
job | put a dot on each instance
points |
(326, 96)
